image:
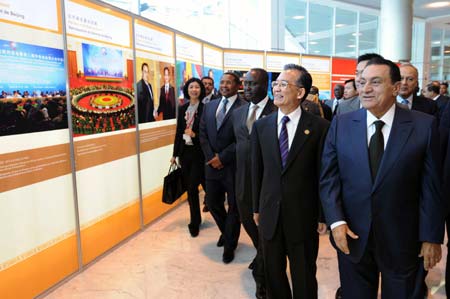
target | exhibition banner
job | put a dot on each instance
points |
(242, 60)
(101, 81)
(37, 217)
(342, 69)
(156, 98)
(320, 70)
(276, 61)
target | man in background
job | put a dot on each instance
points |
(208, 82)
(338, 96)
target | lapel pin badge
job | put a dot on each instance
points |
(307, 132)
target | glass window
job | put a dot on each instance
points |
(446, 66)
(435, 70)
(295, 23)
(345, 30)
(320, 29)
(368, 37)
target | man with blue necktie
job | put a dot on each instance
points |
(380, 188)
(286, 148)
(219, 147)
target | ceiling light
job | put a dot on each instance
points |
(316, 51)
(438, 4)
(436, 42)
(351, 46)
(340, 25)
(313, 43)
(298, 17)
(355, 34)
(310, 33)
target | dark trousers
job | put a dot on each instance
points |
(192, 169)
(302, 263)
(227, 221)
(447, 266)
(246, 215)
(361, 280)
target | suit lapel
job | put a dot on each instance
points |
(359, 149)
(268, 109)
(214, 106)
(302, 133)
(400, 132)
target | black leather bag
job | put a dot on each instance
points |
(173, 185)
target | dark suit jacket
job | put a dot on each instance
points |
(403, 206)
(441, 103)
(145, 102)
(179, 143)
(221, 142)
(167, 106)
(293, 191)
(424, 105)
(327, 113)
(243, 153)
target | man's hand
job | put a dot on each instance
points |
(321, 228)
(431, 253)
(256, 218)
(215, 162)
(173, 160)
(340, 234)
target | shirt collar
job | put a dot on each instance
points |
(261, 104)
(294, 116)
(409, 99)
(231, 99)
(436, 97)
(387, 118)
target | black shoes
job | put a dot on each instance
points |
(220, 242)
(228, 255)
(193, 230)
(338, 293)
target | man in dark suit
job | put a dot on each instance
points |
(380, 223)
(286, 149)
(431, 91)
(407, 94)
(167, 97)
(145, 97)
(219, 147)
(208, 82)
(259, 105)
(338, 94)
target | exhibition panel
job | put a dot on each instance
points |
(320, 70)
(213, 64)
(342, 69)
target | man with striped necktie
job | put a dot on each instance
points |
(286, 149)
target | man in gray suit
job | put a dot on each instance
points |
(258, 106)
(354, 104)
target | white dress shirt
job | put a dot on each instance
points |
(335, 103)
(409, 99)
(260, 108)
(436, 97)
(230, 103)
(291, 125)
(388, 119)
(207, 99)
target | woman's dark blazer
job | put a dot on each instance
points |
(179, 144)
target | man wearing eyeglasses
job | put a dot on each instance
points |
(286, 149)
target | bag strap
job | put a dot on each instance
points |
(172, 167)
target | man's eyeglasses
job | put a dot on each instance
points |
(283, 84)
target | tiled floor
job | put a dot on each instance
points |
(165, 262)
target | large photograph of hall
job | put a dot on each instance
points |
(32, 88)
(101, 87)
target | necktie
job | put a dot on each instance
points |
(222, 112)
(336, 107)
(405, 102)
(252, 118)
(283, 140)
(376, 148)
